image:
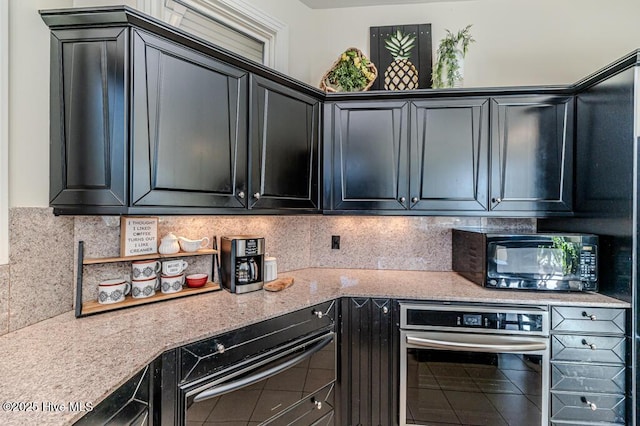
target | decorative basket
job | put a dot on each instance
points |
(352, 57)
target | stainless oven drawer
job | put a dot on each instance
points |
(584, 348)
(207, 357)
(588, 320)
(600, 378)
(587, 408)
(310, 410)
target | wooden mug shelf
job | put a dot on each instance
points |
(94, 307)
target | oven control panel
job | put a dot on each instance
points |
(485, 318)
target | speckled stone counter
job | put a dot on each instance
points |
(64, 359)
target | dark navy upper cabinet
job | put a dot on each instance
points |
(189, 134)
(532, 153)
(449, 154)
(499, 156)
(145, 119)
(367, 156)
(88, 153)
(285, 162)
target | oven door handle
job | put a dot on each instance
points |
(492, 347)
(249, 380)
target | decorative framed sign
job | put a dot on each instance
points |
(138, 235)
(419, 54)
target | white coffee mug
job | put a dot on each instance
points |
(171, 283)
(113, 291)
(144, 288)
(174, 267)
(144, 269)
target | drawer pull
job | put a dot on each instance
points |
(220, 348)
(591, 317)
(591, 405)
(318, 404)
(318, 314)
(591, 345)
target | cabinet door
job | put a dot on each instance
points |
(88, 157)
(368, 376)
(449, 154)
(369, 160)
(284, 147)
(531, 153)
(189, 145)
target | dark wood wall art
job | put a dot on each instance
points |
(420, 55)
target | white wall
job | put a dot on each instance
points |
(520, 42)
(29, 102)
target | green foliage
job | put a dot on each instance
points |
(568, 256)
(447, 57)
(400, 45)
(351, 73)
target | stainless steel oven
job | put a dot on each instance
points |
(474, 364)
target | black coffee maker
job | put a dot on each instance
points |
(242, 263)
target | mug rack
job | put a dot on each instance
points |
(92, 307)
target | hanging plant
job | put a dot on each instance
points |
(447, 70)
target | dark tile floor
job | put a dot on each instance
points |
(506, 390)
(254, 404)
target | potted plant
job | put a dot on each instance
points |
(448, 70)
(352, 72)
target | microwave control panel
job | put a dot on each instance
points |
(588, 263)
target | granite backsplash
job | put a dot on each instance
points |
(39, 281)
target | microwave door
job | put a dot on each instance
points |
(531, 264)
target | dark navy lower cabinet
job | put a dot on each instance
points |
(368, 362)
(130, 405)
(588, 366)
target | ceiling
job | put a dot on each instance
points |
(332, 4)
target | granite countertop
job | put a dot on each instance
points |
(64, 359)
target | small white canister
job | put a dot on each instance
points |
(270, 269)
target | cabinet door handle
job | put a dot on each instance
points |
(591, 317)
(402, 199)
(256, 195)
(414, 200)
(591, 405)
(319, 314)
(497, 200)
(318, 404)
(591, 345)
(385, 310)
(241, 194)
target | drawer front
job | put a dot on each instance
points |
(588, 320)
(588, 348)
(206, 357)
(598, 378)
(310, 410)
(576, 408)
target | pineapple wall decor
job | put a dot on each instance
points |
(404, 53)
(401, 74)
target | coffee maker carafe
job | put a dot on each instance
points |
(242, 263)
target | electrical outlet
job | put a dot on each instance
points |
(335, 242)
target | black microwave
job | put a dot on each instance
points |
(549, 261)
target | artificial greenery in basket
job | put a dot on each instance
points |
(352, 72)
(448, 68)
